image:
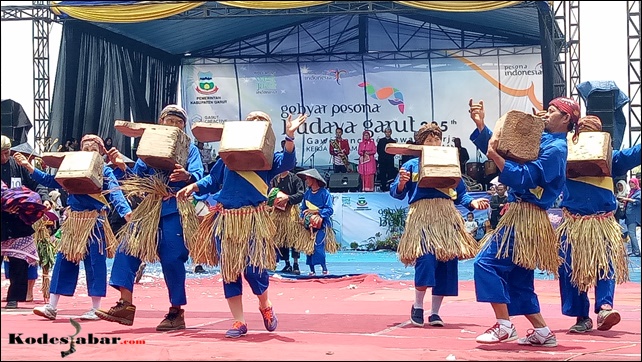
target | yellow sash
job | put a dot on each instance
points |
(101, 198)
(310, 205)
(255, 180)
(602, 182)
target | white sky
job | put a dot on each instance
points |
(603, 51)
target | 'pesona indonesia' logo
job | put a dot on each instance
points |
(205, 83)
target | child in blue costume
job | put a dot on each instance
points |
(171, 249)
(242, 226)
(524, 239)
(317, 210)
(101, 238)
(593, 252)
(435, 236)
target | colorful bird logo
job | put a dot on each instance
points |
(393, 95)
(337, 74)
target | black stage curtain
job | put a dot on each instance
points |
(102, 77)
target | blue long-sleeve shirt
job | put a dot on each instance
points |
(415, 193)
(538, 182)
(594, 195)
(194, 167)
(78, 202)
(321, 199)
(233, 191)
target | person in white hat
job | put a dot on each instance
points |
(316, 212)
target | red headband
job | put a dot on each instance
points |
(568, 106)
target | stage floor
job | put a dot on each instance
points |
(360, 317)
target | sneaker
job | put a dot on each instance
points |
(583, 325)
(295, 269)
(311, 274)
(417, 316)
(11, 305)
(239, 329)
(269, 319)
(90, 316)
(287, 269)
(139, 273)
(435, 321)
(607, 318)
(534, 338)
(498, 334)
(325, 272)
(46, 311)
(174, 320)
(123, 312)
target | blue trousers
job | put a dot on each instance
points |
(172, 254)
(574, 302)
(499, 280)
(65, 273)
(259, 281)
(441, 276)
(318, 256)
(32, 271)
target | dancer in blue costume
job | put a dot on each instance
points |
(435, 236)
(316, 213)
(242, 227)
(593, 252)
(171, 249)
(101, 238)
(524, 239)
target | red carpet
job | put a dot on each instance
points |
(352, 318)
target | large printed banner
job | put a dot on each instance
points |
(359, 217)
(355, 95)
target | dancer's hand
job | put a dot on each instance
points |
(23, 161)
(116, 158)
(480, 204)
(186, 191)
(477, 113)
(128, 216)
(179, 174)
(404, 177)
(292, 125)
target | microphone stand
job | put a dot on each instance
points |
(311, 158)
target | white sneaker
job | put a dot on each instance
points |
(89, 316)
(498, 333)
(46, 311)
(534, 338)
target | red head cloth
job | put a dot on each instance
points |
(367, 132)
(636, 185)
(570, 107)
(94, 138)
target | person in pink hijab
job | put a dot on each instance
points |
(632, 214)
(367, 163)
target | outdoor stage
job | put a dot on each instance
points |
(353, 318)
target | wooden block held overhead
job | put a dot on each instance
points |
(207, 131)
(79, 172)
(592, 155)
(439, 167)
(247, 145)
(519, 135)
(160, 146)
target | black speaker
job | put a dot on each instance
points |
(344, 182)
(602, 105)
